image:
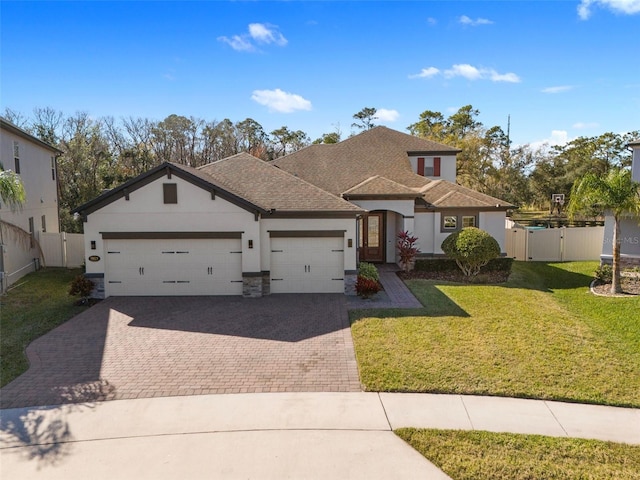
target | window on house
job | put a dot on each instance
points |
(16, 156)
(53, 168)
(44, 223)
(170, 191)
(450, 222)
(453, 223)
(468, 221)
(31, 231)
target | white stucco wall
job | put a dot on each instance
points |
(42, 199)
(403, 207)
(629, 237)
(424, 230)
(194, 212)
(447, 166)
(493, 223)
(295, 224)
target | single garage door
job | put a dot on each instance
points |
(307, 265)
(173, 267)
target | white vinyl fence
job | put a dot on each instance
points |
(554, 244)
(62, 249)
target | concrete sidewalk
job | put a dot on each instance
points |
(277, 435)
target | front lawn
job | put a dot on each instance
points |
(39, 303)
(540, 335)
(471, 455)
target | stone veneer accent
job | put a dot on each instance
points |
(252, 285)
(98, 282)
(350, 279)
(266, 283)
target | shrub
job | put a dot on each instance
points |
(81, 286)
(500, 264)
(407, 249)
(604, 273)
(365, 287)
(368, 270)
(471, 248)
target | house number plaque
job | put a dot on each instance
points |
(94, 258)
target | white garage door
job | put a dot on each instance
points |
(307, 265)
(173, 267)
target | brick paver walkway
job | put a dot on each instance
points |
(395, 294)
(152, 346)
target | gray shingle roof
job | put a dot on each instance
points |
(271, 188)
(379, 158)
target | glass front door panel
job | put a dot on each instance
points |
(373, 232)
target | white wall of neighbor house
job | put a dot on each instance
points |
(635, 164)
(629, 237)
(145, 211)
(348, 225)
(37, 172)
(447, 166)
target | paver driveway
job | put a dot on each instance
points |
(151, 346)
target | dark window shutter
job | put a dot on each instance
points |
(436, 167)
(170, 191)
(421, 166)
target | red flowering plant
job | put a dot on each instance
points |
(407, 249)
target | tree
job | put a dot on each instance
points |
(11, 189)
(471, 248)
(615, 193)
(364, 118)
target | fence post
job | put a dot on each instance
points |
(63, 244)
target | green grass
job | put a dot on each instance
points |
(540, 335)
(472, 455)
(38, 304)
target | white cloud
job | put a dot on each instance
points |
(386, 115)
(260, 33)
(557, 137)
(557, 89)
(464, 20)
(431, 21)
(279, 101)
(264, 33)
(426, 73)
(628, 7)
(463, 70)
(470, 73)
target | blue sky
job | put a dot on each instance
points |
(561, 69)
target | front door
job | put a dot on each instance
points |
(372, 237)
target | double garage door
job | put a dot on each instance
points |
(213, 266)
(307, 264)
(173, 267)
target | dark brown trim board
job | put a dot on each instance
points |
(167, 235)
(305, 233)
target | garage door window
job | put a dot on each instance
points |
(170, 191)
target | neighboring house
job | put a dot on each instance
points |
(35, 162)
(629, 226)
(242, 226)
(405, 183)
(239, 226)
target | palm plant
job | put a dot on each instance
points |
(615, 193)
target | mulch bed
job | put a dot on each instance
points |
(630, 286)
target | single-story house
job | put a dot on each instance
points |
(242, 226)
(629, 225)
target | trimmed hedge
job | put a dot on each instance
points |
(500, 264)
